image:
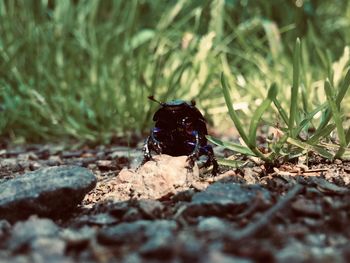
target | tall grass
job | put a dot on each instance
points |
(83, 69)
(293, 138)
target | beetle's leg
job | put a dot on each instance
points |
(195, 153)
(208, 151)
(146, 150)
(151, 143)
(155, 143)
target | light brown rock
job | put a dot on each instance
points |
(161, 177)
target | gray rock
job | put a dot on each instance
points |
(151, 209)
(50, 191)
(137, 232)
(4, 227)
(215, 231)
(97, 219)
(118, 209)
(77, 236)
(35, 257)
(222, 198)
(213, 224)
(25, 234)
(132, 214)
(49, 246)
(217, 256)
(294, 252)
(307, 207)
(78, 239)
(159, 241)
(159, 246)
(189, 248)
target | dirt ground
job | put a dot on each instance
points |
(303, 215)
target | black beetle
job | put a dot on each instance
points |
(180, 129)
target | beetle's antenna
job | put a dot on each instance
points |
(193, 102)
(151, 97)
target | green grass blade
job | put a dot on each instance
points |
(343, 88)
(295, 87)
(346, 154)
(259, 112)
(281, 111)
(231, 111)
(230, 163)
(231, 146)
(308, 147)
(237, 122)
(335, 112)
(342, 91)
(347, 137)
(321, 133)
(309, 117)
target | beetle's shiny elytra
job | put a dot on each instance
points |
(180, 129)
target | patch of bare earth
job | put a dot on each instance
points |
(167, 211)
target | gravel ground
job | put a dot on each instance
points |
(164, 212)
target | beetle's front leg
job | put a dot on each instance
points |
(151, 143)
(156, 145)
(195, 153)
(208, 151)
(146, 150)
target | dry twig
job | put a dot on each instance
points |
(254, 227)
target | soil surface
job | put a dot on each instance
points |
(294, 212)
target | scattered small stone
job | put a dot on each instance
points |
(338, 161)
(219, 199)
(307, 207)
(297, 230)
(78, 239)
(32, 156)
(316, 239)
(250, 176)
(158, 246)
(228, 176)
(98, 219)
(54, 160)
(184, 196)
(34, 166)
(44, 153)
(24, 233)
(13, 164)
(118, 209)
(137, 232)
(329, 188)
(48, 246)
(152, 209)
(199, 185)
(214, 228)
(105, 165)
(217, 256)
(121, 151)
(293, 252)
(71, 154)
(188, 247)
(312, 222)
(133, 214)
(4, 228)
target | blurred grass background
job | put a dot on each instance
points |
(83, 69)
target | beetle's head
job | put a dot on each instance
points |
(173, 105)
(172, 112)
